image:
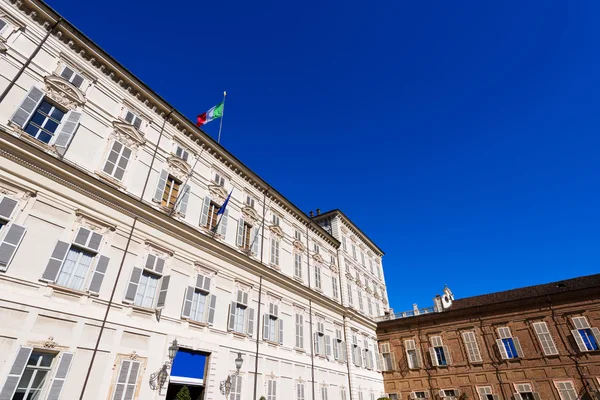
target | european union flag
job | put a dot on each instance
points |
(224, 206)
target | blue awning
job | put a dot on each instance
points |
(188, 367)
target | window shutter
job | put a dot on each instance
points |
(250, 328)
(580, 323)
(596, 333)
(344, 352)
(579, 340)
(266, 327)
(132, 286)
(434, 360)
(162, 294)
(211, 309)
(232, 308)
(10, 244)
(160, 185)
(518, 347)
(504, 333)
(66, 130)
(7, 207)
(95, 241)
(61, 375)
(336, 350)
(517, 396)
(502, 349)
(150, 262)
(187, 302)
(160, 265)
(448, 355)
(56, 259)
(223, 225)
(99, 273)
(327, 345)
(316, 345)
(185, 198)
(206, 285)
(536, 396)
(280, 330)
(28, 106)
(255, 240)
(240, 232)
(14, 375)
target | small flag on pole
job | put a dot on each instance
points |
(224, 206)
(212, 114)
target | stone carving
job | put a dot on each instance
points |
(277, 231)
(298, 246)
(178, 168)
(250, 215)
(50, 343)
(63, 92)
(218, 193)
(133, 356)
(127, 134)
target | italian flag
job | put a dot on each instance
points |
(213, 113)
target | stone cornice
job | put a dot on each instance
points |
(97, 58)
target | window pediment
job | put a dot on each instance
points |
(218, 193)
(250, 214)
(299, 246)
(63, 92)
(276, 229)
(128, 134)
(318, 258)
(178, 168)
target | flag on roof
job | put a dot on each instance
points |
(213, 113)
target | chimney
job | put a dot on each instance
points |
(311, 214)
(318, 211)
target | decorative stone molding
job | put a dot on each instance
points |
(318, 258)
(349, 277)
(178, 168)
(250, 215)
(50, 343)
(93, 223)
(218, 193)
(298, 246)
(63, 92)
(127, 134)
(3, 46)
(201, 268)
(277, 231)
(133, 356)
(335, 268)
(158, 249)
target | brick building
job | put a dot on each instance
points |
(533, 343)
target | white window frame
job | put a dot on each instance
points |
(504, 332)
(275, 251)
(75, 73)
(472, 347)
(581, 323)
(135, 117)
(566, 389)
(416, 361)
(298, 265)
(117, 162)
(545, 338)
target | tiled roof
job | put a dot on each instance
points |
(583, 282)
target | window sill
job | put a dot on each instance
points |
(300, 350)
(143, 310)
(275, 266)
(28, 138)
(239, 334)
(111, 180)
(298, 278)
(272, 343)
(196, 323)
(66, 290)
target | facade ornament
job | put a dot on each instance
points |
(218, 193)
(127, 134)
(277, 231)
(250, 215)
(63, 92)
(133, 356)
(318, 258)
(298, 246)
(3, 46)
(50, 343)
(178, 168)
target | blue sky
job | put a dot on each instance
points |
(462, 137)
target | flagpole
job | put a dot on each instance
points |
(222, 116)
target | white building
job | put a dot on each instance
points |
(108, 200)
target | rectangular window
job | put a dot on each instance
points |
(117, 160)
(146, 292)
(525, 392)
(343, 394)
(71, 76)
(362, 259)
(350, 294)
(485, 393)
(75, 268)
(587, 338)
(240, 318)
(213, 216)
(297, 235)
(275, 219)
(249, 201)
(126, 380)
(377, 309)
(344, 244)
(387, 357)
(273, 325)
(566, 390)
(413, 355)
(171, 192)
(181, 152)
(133, 119)
(236, 387)
(35, 375)
(219, 180)
(300, 391)
(274, 251)
(198, 305)
(369, 307)
(419, 395)
(354, 251)
(546, 341)
(508, 346)
(323, 393)
(45, 121)
(299, 331)
(472, 347)
(317, 276)
(334, 287)
(394, 396)
(448, 394)
(271, 389)
(316, 248)
(298, 265)
(360, 301)
(246, 235)
(440, 355)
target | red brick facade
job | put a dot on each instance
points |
(546, 365)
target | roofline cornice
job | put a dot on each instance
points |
(352, 226)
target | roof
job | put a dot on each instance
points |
(338, 211)
(546, 289)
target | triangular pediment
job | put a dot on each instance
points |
(179, 167)
(218, 193)
(129, 131)
(250, 214)
(63, 92)
(298, 245)
(276, 229)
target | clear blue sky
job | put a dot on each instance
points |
(462, 137)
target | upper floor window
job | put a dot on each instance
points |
(236, 387)
(334, 287)
(339, 346)
(298, 265)
(297, 235)
(271, 389)
(525, 392)
(274, 251)
(126, 379)
(368, 357)
(249, 201)
(218, 179)
(546, 341)
(317, 269)
(350, 301)
(440, 355)
(369, 307)
(587, 338)
(509, 346)
(344, 244)
(360, 301)
(419, 395)
(72, 77)
(322, 341)
(133, 119)
(199, 305)
(449, 394)
(3, 25)
(273, 325)
(181, 153)
(299, 331)
(275, 219)
(148, 285)
(566, 390)
(362, 259)
(171, 192)
(356, 351)
(387, 356)
(485, 393)
(11, 236)
(413, 355)
(323, 392)
(241, 316)
(316, 248)
(472, 347)
(117, 160)
(354, 251)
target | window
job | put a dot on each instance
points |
(317, 276)
(274, 251)
(587, 338)
(339, 346)
(133, 119)
(12, 235)
(362, 259)
(440, 355)
(126, 380)
(45, 121)
(241, 316)
(566, 390)
(343, 394)
(546, 341)
(508, 346)
(344, 244)
(219, 180)
(354, 251)
(72, 77)
(360, 395)
(2, 25)
(356, 351)
(299, 331)
(377, 309)
(371, 266)
(372, 396)
(419, 395)
(413, 355)
(394, 396)
(145, 283)
(387, 357)
(181, 153)
(525, 392)
(271, 389)
(249, 201)
(316, 248)
(485, 393)
(323, 392)
(117, 160)
(300, 391)
(298, 265)
(213, 215)
(472, 348)
(334, 287)
(369, 306)
(297, 235)
(275, 219)
(71, 263)
(236, 387)
(199, 304)
(448, 394)
(171, 192)
(378, 273)
(273, 325)
(322, 342)
(368, 355)
(35, 375)
(360, 301)
(350, 294)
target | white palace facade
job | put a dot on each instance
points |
(110, 247)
